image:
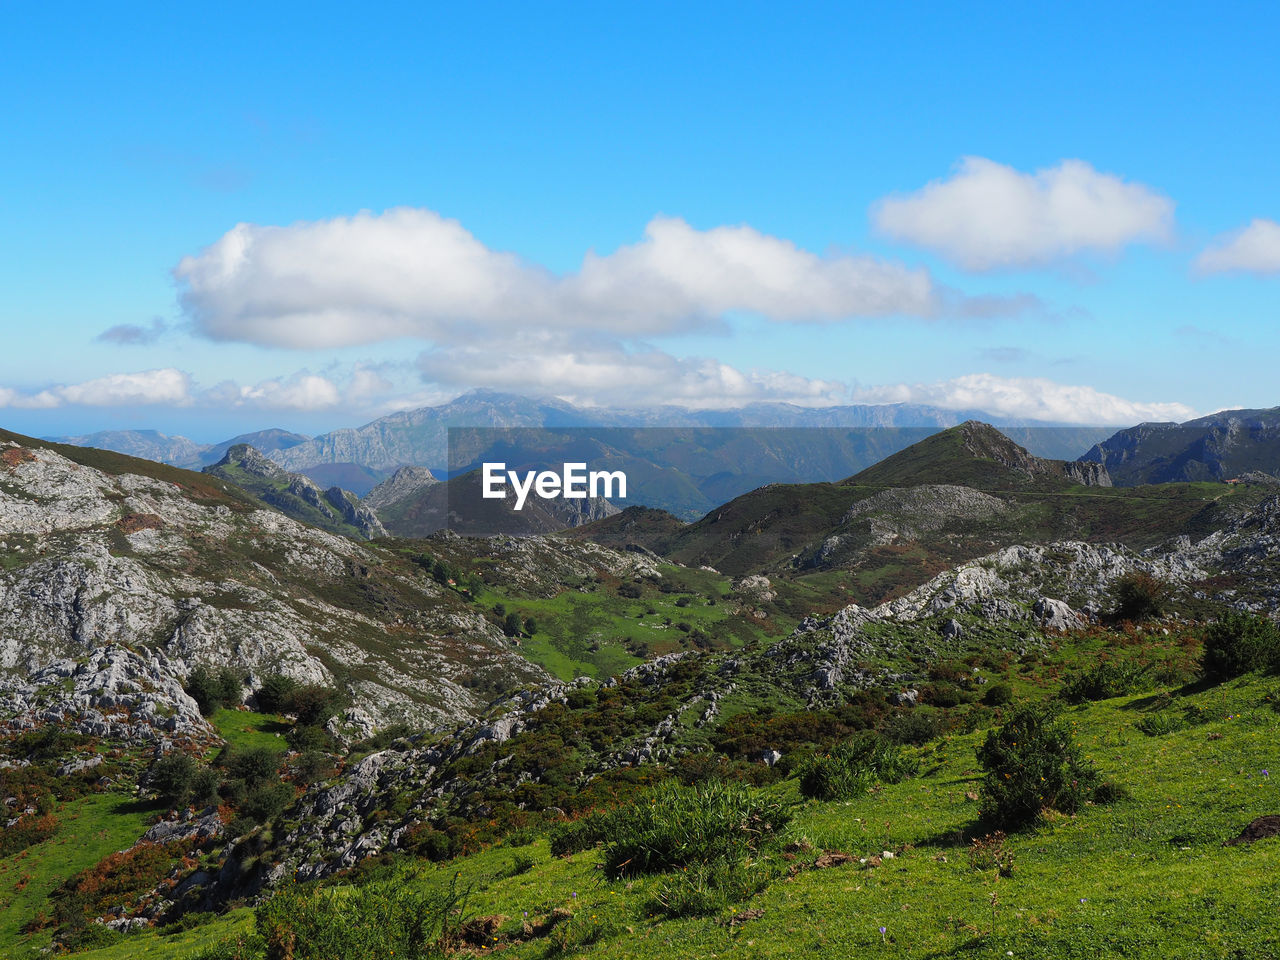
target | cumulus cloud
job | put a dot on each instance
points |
(301, 391)
(988, 215)
(413, 273)
(133, 334)
(165, 386)
(607, 374)
(1254, 248)
(1031, 398)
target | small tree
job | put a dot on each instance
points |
(1032, 764)
(1240, 643)
(171, 777)
(511, 626)
(530, 626)
(1139, 596)
(274, 693)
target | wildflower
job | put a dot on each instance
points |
(883, 930)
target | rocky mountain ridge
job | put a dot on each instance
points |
(1222, 446)
(295, 494)
(184, 565)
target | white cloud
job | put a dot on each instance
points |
(607, 374)
(988, 215)
(1031, 398)
(1255, 248)
(412, 273)
(165, 386)
(302, 391)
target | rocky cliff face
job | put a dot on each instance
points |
(1218, 447)
(91, 558)
(298, 496)
(402, 484)
(986, 442)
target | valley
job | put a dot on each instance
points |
(241, 721)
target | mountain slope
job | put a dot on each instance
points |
(97, 547)
(978, 455)
(335, 509)
(1218, 447)
(955, 495)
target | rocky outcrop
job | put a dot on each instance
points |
(1222, 446)
(112, 693)
(206, 578)
(295, 494)
(986, 442)
(404, 483)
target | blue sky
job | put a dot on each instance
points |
(772, 141)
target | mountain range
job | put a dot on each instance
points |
(358, 458)
(1220, 447)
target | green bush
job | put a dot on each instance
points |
(204, 787)
(677, 826)
(171, 777)
(1240, 643)
(266, 802)
(1138, 596)
(275, 690)
(1032, 763)
(387, 919)
(998, 695)
(1103, 681)
(577, 835)
(255, 766)
(850, 768)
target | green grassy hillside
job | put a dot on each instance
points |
(1146, 876)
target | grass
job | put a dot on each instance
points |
(245, 729)
(1146, 877)
(89, 829)
(597, 633)
(153, 945)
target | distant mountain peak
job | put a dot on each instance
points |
(976, 454)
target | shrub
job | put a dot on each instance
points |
(1032, 763)
(1138, 596)
(998, 695)
(204, 787)
(89, 937)
(274, 691)
(203, 687)
(266, 802)
(435, 845)
(577, 835)
(312, 704)
(1240, 643)
(512, 625)
(171, 777)
(912, 726)
(630, 591)
(1103, 681)
(679, 826)
(255, 766)
(849, 768)
(384, 919)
